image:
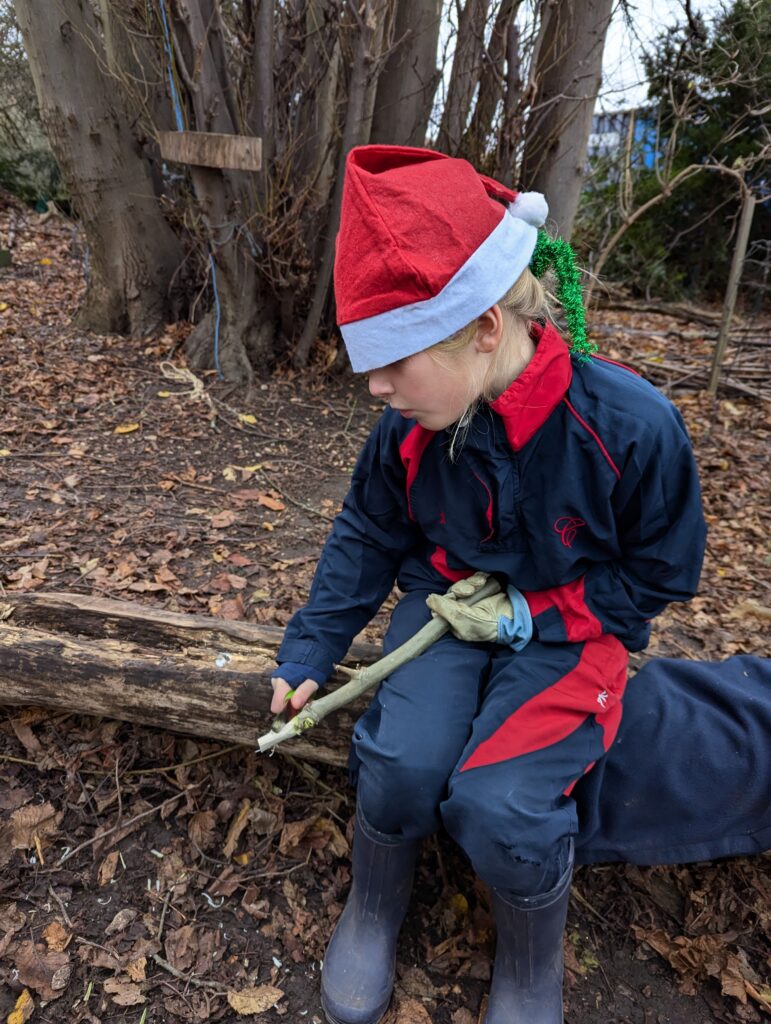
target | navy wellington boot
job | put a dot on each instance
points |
(527, 976)
(358, 974)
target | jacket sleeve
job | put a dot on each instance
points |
(661, 532)
(360, 559)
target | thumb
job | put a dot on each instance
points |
(446, 608)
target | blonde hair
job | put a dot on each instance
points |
(525, 301)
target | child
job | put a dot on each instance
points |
(568, 477)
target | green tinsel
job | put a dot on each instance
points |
(558, 253)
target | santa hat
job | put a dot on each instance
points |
(424, 247)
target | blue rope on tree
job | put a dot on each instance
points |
(170, 69)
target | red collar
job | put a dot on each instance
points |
(533, 396)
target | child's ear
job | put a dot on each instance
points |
(489, 330)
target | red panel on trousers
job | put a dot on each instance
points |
(594, 687)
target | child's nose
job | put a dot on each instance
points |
(379, 384)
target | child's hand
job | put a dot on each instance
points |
(300, 695)
(502, 618)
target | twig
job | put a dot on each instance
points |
(183, 977)
(585, 903)
(186, 764)
(164, 908)
(137, 817)
(65, 915)
(294, 501)
(190, 483)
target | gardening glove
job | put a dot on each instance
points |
(502, 618)
(293, 686)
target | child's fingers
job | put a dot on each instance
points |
(280, 690)
(303, 693)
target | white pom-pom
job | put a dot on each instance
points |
(530, 207)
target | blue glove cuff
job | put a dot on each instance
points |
(294, 673)
(517, 631)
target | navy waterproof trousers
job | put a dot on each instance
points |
(489, 743)
(496, 746)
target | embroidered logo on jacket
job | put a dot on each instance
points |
(567, 527)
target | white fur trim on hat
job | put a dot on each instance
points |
(530, 207)
(485, 276)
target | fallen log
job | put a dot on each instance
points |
(185, 673)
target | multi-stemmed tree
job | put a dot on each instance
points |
(508, 83)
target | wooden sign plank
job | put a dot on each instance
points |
(212, 149)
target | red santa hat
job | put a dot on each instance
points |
(424, 247)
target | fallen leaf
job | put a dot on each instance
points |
(237, 825)
(46, 972)
(463, 1016)
(124, 993)
(201, 829)
(126, 428)
(272, 503)
(410, 1011)
(181, 947)
(28, 823)
(12, 920)
(221, 520)
(136, 969)
(57, 937)
(314, 832)
(247, 417)
(251, 494)
(22, 1010)
(232, 609)
(254, 1000)
(107, 868)
(121, 921)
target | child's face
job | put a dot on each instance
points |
(420, 388)
(436, 392)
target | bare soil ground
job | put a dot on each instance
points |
(208, 880)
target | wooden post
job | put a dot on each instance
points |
(737, 263)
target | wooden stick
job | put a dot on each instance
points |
(316, 710)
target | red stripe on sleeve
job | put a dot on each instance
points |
(594, 687)
(596, 437)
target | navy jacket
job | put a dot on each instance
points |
(577, 486)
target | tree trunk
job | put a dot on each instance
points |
(491, 84)
(133, 253)
(466, 69)
(510, 133)
(184, 673)
(238, 334)
(568, 73)
(356, 132)
(261, 108)
(316, 125)
(405, 89)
